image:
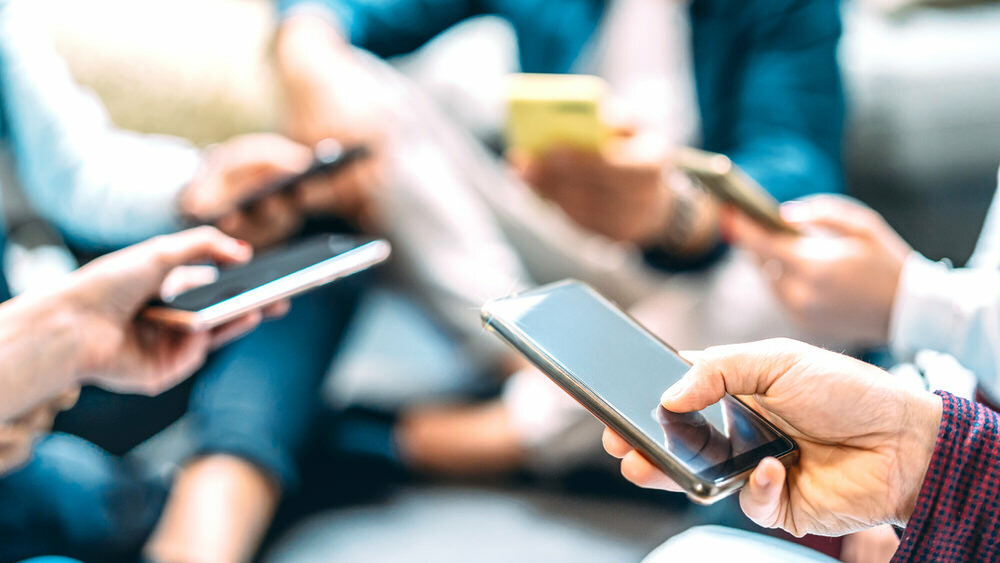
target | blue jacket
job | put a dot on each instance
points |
(765, 70)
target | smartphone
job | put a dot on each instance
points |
(726, 181)
(618, 370)
(546, 111)
(269, 277)
(330, 158)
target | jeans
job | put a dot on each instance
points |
(254, 399)
(4, 291)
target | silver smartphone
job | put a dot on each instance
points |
(271, 276)
(617, 369)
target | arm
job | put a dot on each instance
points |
(953, 519)
(103, 187)
(790, 108)
(386, 27)
(39, 344)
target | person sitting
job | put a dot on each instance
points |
(251, 406)
(755, 80)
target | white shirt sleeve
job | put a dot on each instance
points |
(101, 186)
(955, 311)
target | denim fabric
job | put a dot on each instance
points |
(75, 499)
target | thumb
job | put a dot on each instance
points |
(740, 369)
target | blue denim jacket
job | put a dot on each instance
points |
(102, 187)
(765, 70)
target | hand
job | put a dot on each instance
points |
(616, 194)
(124, 353)
(330, 95)
(236, 170)
(865, 441)
(18, 436)
(838, 281)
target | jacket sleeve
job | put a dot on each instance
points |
(102, 187)
(955, 518)
(789, 113)
(388, 27)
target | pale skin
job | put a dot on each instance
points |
(865, 441)
(839, 280)
(87, 331)
(621, 192)
(236, 170)
(314, 64)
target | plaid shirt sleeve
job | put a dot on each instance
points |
(957, 516)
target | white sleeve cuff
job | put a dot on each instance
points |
(923, 314)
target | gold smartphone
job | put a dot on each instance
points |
(546, 111)
(717, 174)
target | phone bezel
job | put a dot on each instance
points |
(698, 488)
(363, 256)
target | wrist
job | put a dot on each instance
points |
(916, 447)
(61, 317)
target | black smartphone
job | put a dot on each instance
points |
(271, 276)
(330, 158)
(618, 370)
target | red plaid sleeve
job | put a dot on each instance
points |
(957, 516)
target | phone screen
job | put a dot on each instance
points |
(628, 369)
(264, 268)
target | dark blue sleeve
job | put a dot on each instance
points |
(391, 27)
(790, 108)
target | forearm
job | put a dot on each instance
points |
(39, 344)
(953, 517)
(319, 73)
(102, 186)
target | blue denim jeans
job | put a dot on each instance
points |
(255, 399)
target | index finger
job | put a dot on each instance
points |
(738, 369)
(196, 245)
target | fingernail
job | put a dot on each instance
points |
(674, 391)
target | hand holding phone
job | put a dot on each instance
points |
(718, 175)
(271, 276)
(330, 158)
(865, 438)
(617, 370)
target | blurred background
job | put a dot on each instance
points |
(923, 88)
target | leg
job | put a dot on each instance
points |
(74, 499)
(252, 407)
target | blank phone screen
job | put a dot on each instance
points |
(609, 354)
(265, 268)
